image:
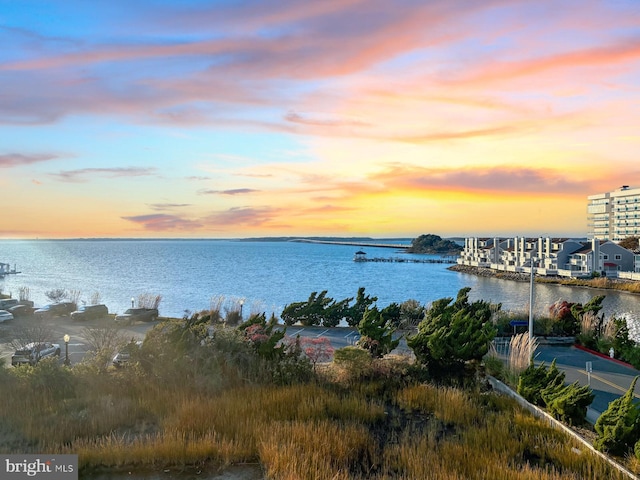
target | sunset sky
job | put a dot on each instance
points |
(226, 119)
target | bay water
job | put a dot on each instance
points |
(266, 275)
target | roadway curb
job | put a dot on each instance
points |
(539, 413)
(602, 355)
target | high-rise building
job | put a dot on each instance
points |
(614, 215)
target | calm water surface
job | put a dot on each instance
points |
(268, 275)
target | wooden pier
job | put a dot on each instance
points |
(446, 260)
(5, 269)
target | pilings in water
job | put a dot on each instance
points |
(446, 260)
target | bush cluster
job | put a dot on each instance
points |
(545, 387)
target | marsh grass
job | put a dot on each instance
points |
(600, 282)
(318, 430)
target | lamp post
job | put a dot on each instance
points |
(67, 362)
(531, 282)
(241, 304)
(132, 301)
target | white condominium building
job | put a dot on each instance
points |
(614, 215)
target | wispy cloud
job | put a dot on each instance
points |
(17, 159)
(505, 180)
(86, 174)
(243, 216)
(168, 206)
(626, 50)
(163, 222)
(232, 191)
(294, 117)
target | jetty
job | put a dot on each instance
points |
(5, 269)
(354, 243)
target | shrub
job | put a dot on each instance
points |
(354, 362)
(376, 334)
(453, 333)
(618, 428)
(568, 403)
(531, 382)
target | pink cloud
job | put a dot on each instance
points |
(233, 191)
(243, 216)
(621, 52)
(17, 159)
(163, 222)
(507, 180)
(168, 206)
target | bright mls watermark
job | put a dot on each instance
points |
(50, 467)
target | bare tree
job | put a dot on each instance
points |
(102, 342)
(24, 335)
(148, 300)
(73, 296)
(56, 295)
(24, 294)
(95, 298)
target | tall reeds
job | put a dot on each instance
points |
(521, 351)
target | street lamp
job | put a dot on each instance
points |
(531, 282)
(241, 304)
(132, 301)
(66, 350)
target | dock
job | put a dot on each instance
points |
(5, 269)
(446, 260)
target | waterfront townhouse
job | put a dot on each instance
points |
(549, 256)
(478, 252)
(603, 257)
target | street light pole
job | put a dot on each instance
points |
(67, 362)
(531, 301)
(241, 304)
(132, 301)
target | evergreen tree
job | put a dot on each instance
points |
(357, 311)
(453, 333)
(376, 334)
(618, 428)
(568, 403)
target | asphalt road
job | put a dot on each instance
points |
(608, 379)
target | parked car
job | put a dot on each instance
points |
(34, 352)
(6, 303)
(123, 357)
(137, 314)
(90, 312)
(5, 316)
(55, 309)
(22, 310)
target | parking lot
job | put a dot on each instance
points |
(58, 327)
(54, 329)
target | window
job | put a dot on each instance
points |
(605, 257)
(618, 257)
